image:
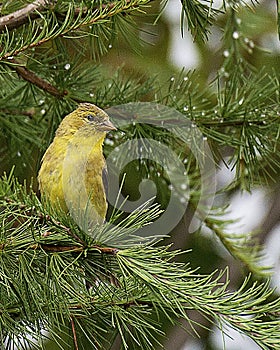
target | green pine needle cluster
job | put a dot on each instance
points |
(53, 277)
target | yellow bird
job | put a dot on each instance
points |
(72, 170)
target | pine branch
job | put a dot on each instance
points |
(31, 77)
(32, 11)
(47, 286)
(29, 212)
(53, 248)
(73, 20)
(22, 16)
(241, 246)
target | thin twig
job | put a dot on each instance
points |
(105, 250)
(74, 333)
(54, 248)
(66, 229)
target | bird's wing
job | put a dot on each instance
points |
(105, 180)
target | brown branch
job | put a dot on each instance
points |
(100, 17)
(34, 79)
(31, 11)
(29, 114)
(105, 250)
(31, 77)
(53, 248)
(74, 333)
(19, 17)
(74, 248)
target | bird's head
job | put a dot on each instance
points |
(91, 116)
(88, 119)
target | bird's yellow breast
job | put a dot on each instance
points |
(71, 173)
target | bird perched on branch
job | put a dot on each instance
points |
(72, 171)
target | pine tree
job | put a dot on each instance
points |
(124, 284)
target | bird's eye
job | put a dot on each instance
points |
(90, 117)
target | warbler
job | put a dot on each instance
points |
(72, 170)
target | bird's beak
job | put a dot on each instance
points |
(107, 126)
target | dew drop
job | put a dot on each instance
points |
(226, 53)
(235, 35)
(182, 200)
(204, 138)
(172, 78)
(184, 187)
(67, 66)
(43, 111)
(185, 108)
(18, 153)
(251, 44)
(109, 142)
(41, 102)
(91, 94)
(241, 101)
(110, 46)
(186, 78)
